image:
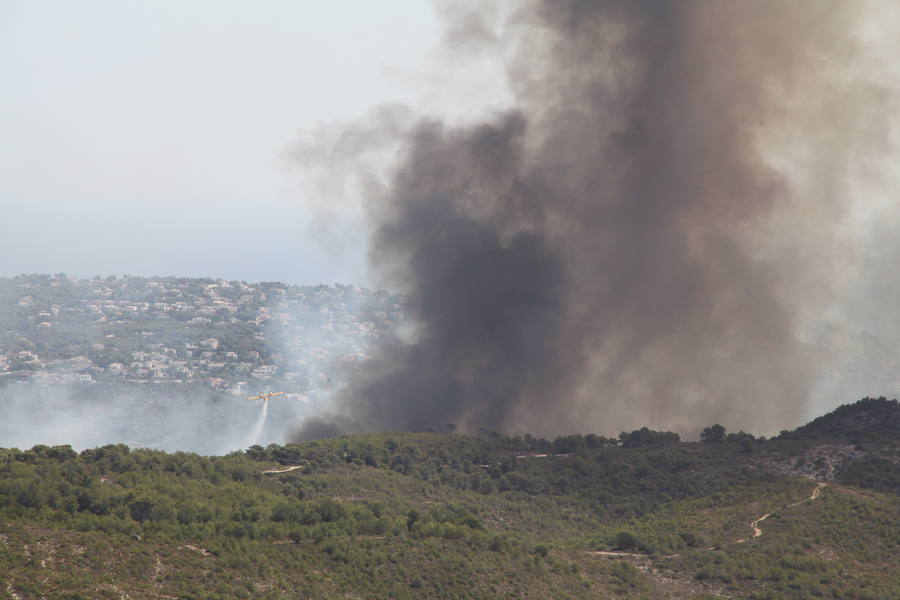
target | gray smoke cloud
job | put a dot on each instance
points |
(641, 238)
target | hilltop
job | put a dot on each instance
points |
(870, 419)
(438, 515)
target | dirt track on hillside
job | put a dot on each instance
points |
(755, 524)
(283, 470)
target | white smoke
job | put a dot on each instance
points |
(187, 419)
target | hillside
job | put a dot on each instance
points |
(870, 419)
(857, 444)
(447, 516)
(166, 362)
(228, 336)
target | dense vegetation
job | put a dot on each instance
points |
(870, 419)
(448, 516)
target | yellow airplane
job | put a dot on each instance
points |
(264, 396)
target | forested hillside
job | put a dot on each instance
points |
(438, 515)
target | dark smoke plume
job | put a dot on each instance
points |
(639, 239)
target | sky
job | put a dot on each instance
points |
(161, 138)
(149, 138)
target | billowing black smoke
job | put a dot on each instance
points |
(638, 240)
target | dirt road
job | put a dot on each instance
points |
(283, 469)
(615, 553)
(754, 525)
(817, 490)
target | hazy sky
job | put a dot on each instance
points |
(152, 137)
(147, 137)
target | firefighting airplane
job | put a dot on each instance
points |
(264, 396)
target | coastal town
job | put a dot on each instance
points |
(229, 336)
